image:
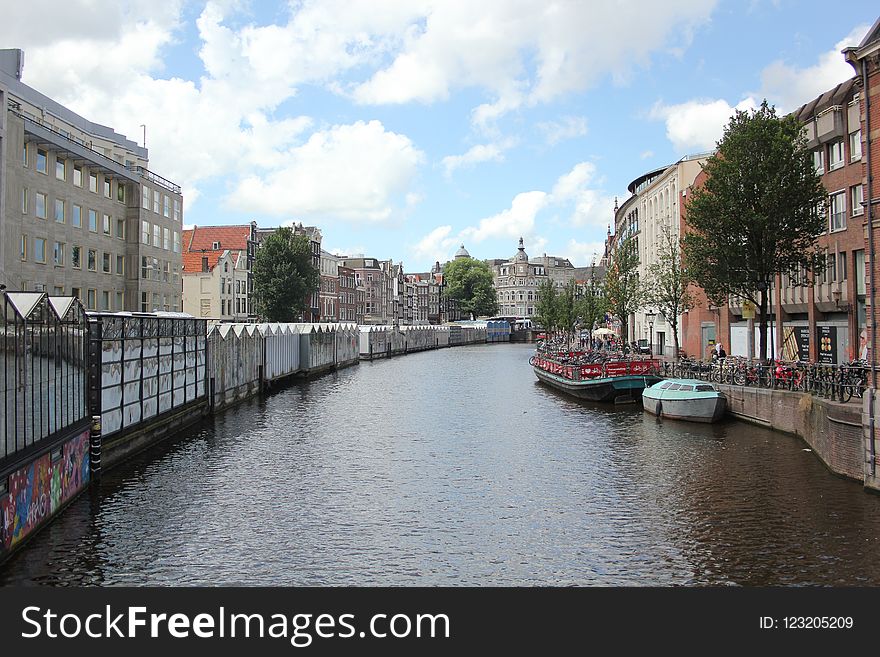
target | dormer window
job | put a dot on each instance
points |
(216, 245)
(204, 263)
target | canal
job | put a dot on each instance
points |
(456, 467)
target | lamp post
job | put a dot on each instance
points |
(649, 317)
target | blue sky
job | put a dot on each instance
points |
(403, 128)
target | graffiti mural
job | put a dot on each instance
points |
(37, 490)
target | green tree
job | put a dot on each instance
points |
(284, 277)
(566, 307)
(624, 291)
(591, 305)
(759, 213)
(546, 307)
(667, 287)
(470, 283)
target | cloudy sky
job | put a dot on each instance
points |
(403, 128)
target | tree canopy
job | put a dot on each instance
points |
(546, 311)
(759, 213)
(624, 292)
(470, 282)
(284, 277)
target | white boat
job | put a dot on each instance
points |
(685, 399)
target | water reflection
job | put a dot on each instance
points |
(456, 467)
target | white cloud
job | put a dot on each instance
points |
(583, 254)
(436, 246)
(646, 155)
(697, 125)
(495, 45)
(789, 87)
(591, 207)
(353, 172)
(493, 152)
(569, 127)
(515, 221)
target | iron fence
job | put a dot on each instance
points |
(45, 370)
(837, 382)
(149, 364)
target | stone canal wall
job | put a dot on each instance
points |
(832, 430)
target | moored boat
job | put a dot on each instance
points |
(685, 399)
(613, 381)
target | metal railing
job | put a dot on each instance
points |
(836, 382)
(45, 370)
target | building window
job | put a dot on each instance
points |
(176, 242)
(120, 228)
(105, 262)
(842, 265)
(819, 160)
(39, 250)
(76, 217)
(857, 196)
(40, 205)
(106, 224)
(167, 206)
(119, 304)
(108, 190)
(832, 267)
(855, 146)
(93, 220)
(120, 192)
(145, 232)
(24, 200)
(93, 182)
(837, 212)
(835, 155)
(42, 161)
(166, 239)
(166, 272)
(59, 210)
(76, 257)
(145, 307)
(78, 176)
(23, 247)
(92, 296)
(157, 202)
(176, 210)
(120, 265)
(24, 154)
(58, 290)
(157, 236)
(76, 292)
(58, 254)
(93, 260)
(60, 169)
(145, 198)
(145, 267)
(105, 300)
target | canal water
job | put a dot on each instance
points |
(456, 467)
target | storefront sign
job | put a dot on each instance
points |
(826, 339)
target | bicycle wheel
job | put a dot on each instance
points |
(767, 379)
(739, 376)
(846, 390)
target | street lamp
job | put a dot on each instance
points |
(649, 317)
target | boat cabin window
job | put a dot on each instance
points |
(683, 387)
(705, 388)
(665, 385)
(674, 386)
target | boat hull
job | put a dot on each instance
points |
(607, 389)
(707, 409)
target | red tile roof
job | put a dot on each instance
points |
(192, 262)
(202, 238)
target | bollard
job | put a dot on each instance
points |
(95, 447)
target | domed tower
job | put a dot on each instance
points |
(462, 253)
